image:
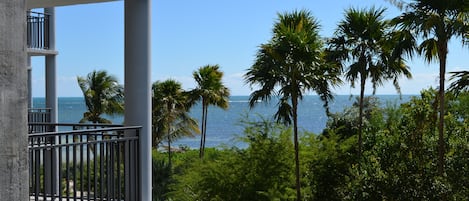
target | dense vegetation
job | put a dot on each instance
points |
(400, 145)
(418, 150)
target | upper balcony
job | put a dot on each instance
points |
(38, 34)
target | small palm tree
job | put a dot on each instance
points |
(171, 119)
(290, 64)
(364, 43)
(103, 95)
(211, 90)
(436, 22)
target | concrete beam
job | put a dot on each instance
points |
(54, 3)
(40, 52)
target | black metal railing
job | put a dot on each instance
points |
(43, 127)
(38, 30)
(37, 117)
(92, 164)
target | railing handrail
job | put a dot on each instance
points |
(38, 13)
(75, 124)
(84, 143)
(86, 131)
(39, 108)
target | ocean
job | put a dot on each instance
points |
(223, 126)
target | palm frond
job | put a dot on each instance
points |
(460, 82)
(429, 49)
(102, 94)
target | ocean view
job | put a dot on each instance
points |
(223, 126)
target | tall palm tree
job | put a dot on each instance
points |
(436, 22)
(365, 44)
(170, 111)
(288, 66)
(103, 95)
(211, 90)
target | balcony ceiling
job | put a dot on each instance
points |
(53, 3)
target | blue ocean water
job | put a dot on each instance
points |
(224, 126)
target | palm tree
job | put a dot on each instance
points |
(103, 95)
(170, 111)
(364, 44)
(291, 64)
(212, 91)
(436, 22)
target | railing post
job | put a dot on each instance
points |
(131, 166)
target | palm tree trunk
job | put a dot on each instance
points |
(360, 116)
(169, 146)
(297, 150)
(202, 129)
(205, 130)
(360, 123)
(442, 53)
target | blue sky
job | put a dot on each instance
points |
(190, 34)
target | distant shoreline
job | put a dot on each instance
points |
(249, 95)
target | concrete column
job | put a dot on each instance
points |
(30, 83)
(50, 173)
(138, 83)
(51, 71)
(13, 102)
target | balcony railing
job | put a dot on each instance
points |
(91, 164)
(36, 119)
(38, 30)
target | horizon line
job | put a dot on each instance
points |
(249, 95)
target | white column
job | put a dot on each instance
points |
(138, 83)
(51, 71)
(51, 102)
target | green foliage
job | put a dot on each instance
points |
(345, 124)
(161, 177)
(398, 162)
(330, 158)
(260, 172)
